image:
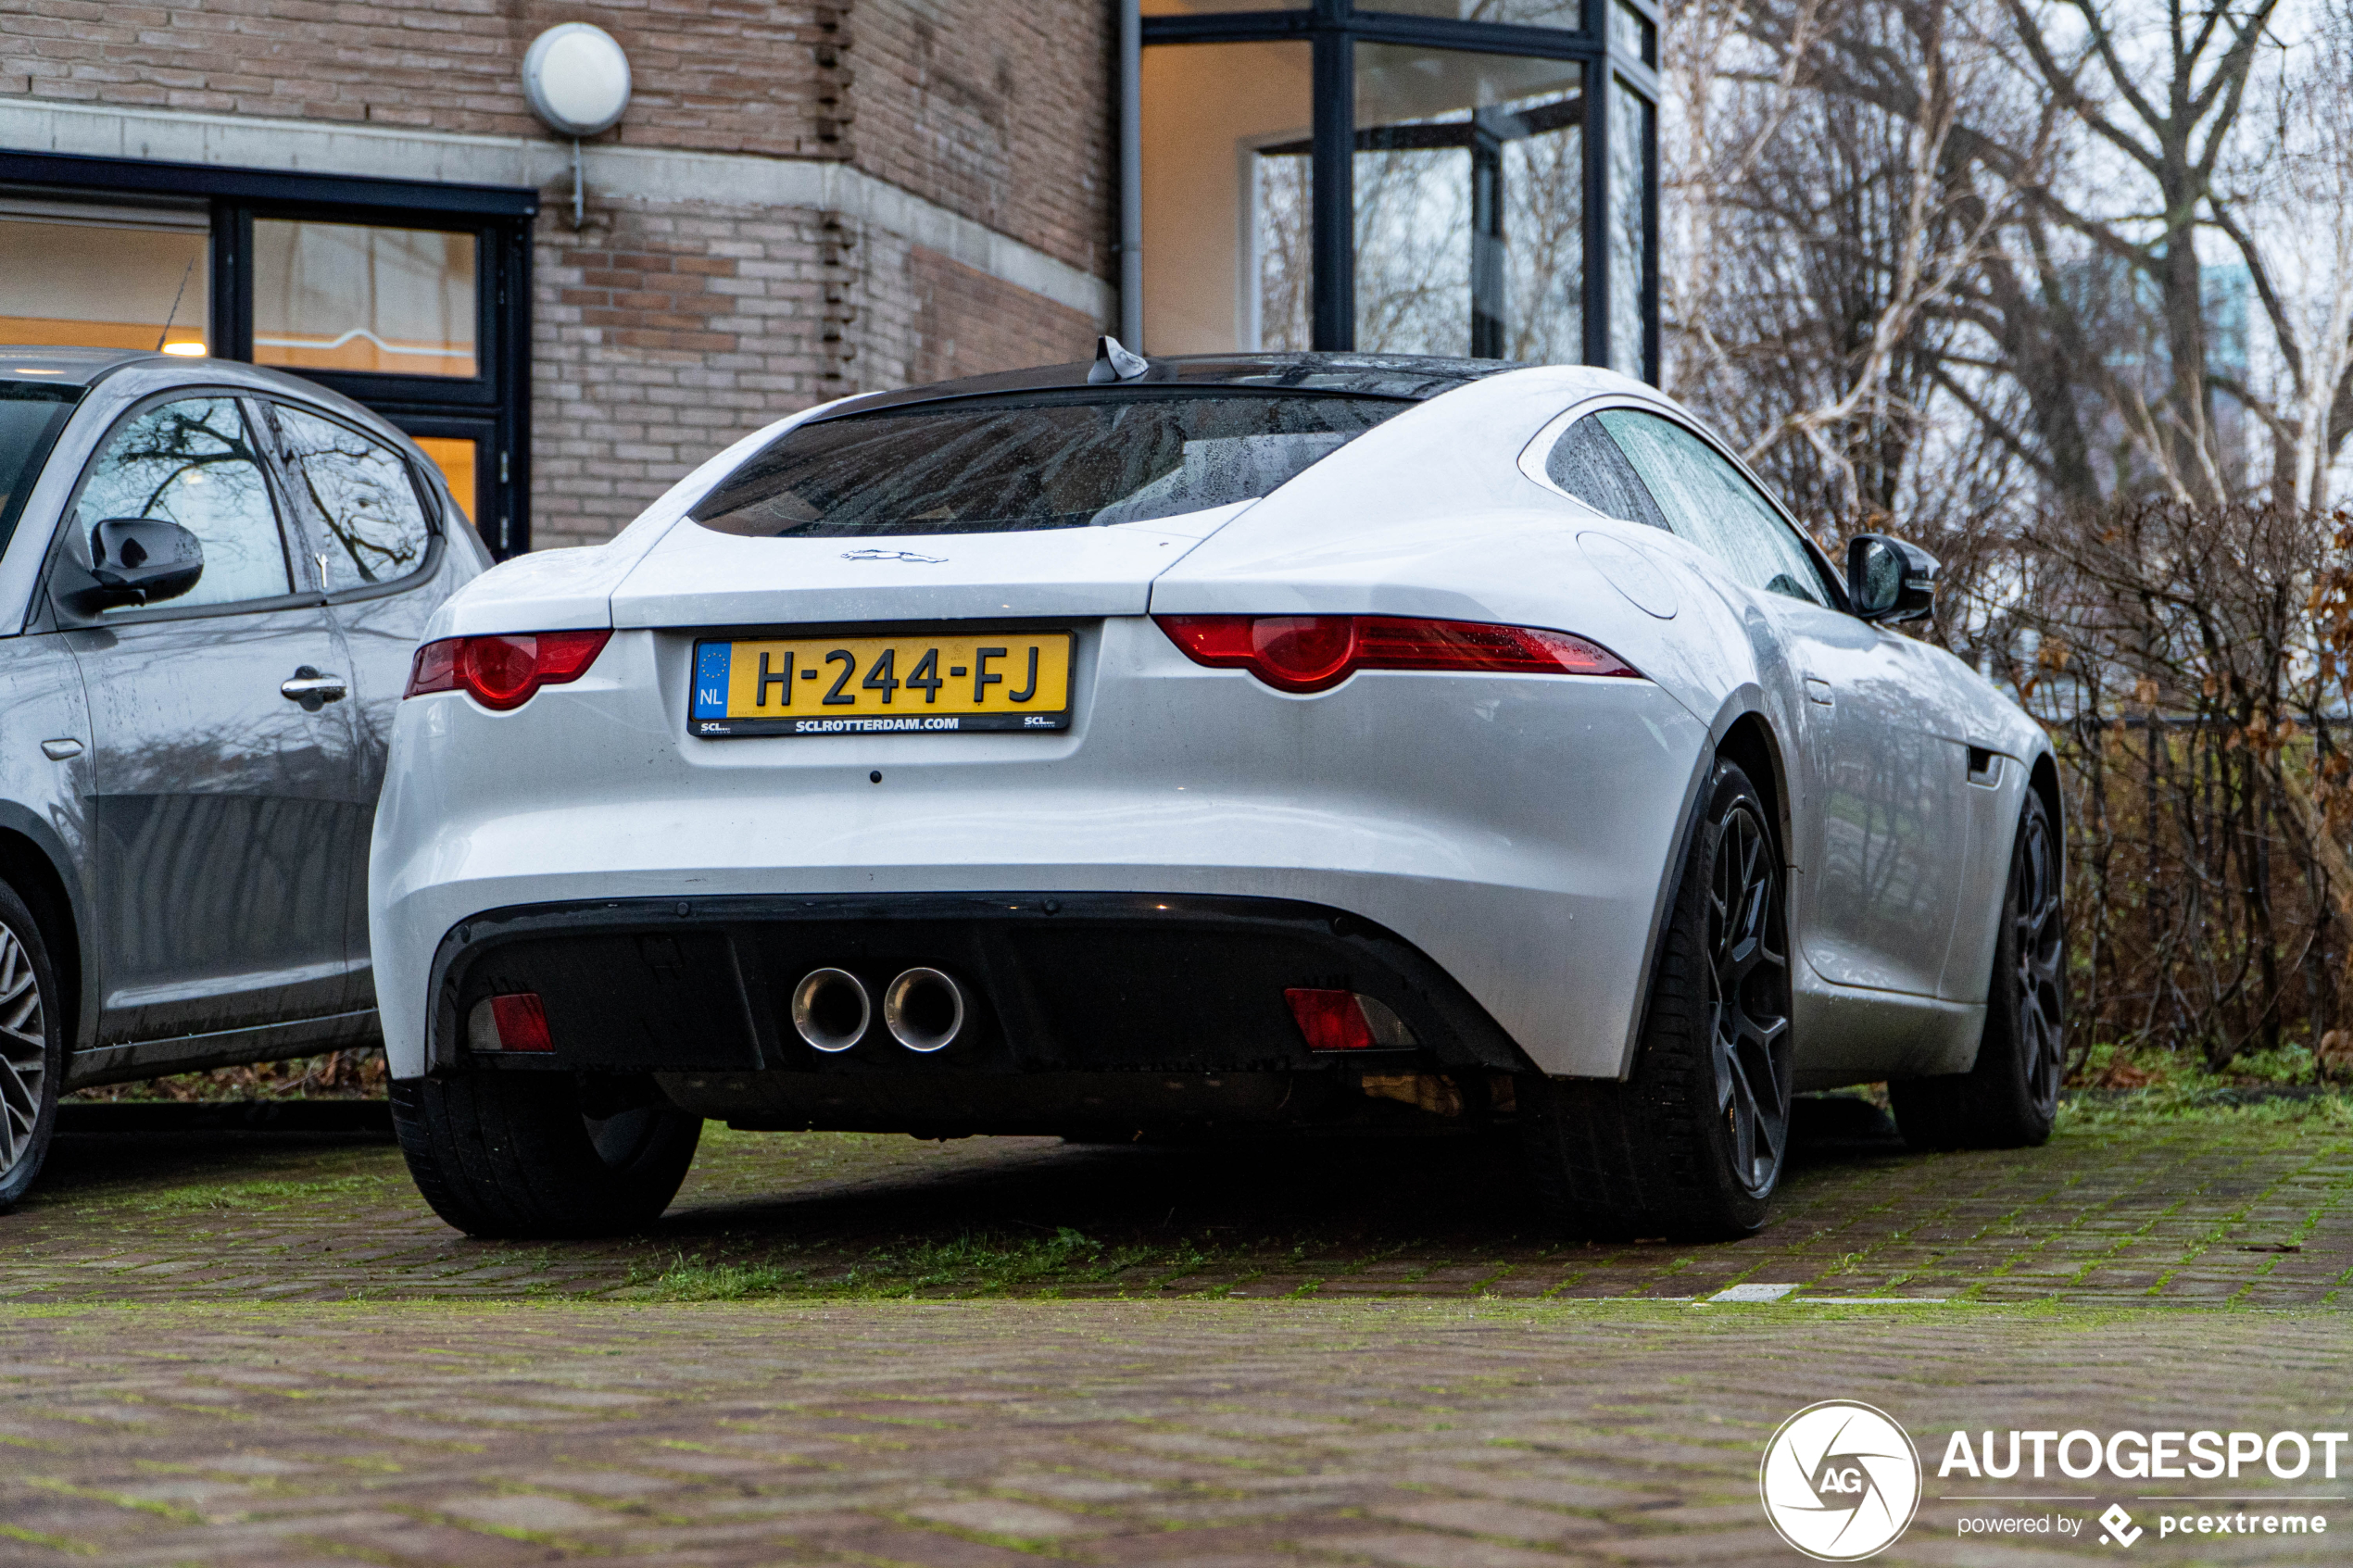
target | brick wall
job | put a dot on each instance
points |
(662, 332)
(1002, 111)
(719, 75)
(999, 109)
(967, 324)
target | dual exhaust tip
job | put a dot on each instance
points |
(923, 1009)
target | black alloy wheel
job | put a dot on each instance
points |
(1692, 1143)
(31, 1054)
(2009, 1098)
(2037, 954)
(1748, 995)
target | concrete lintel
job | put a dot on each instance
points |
(613, 173)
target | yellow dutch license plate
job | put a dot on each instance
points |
(914, 683)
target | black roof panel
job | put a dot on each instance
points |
(1410, 376)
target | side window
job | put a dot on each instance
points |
(1587, 464)
(362, 499)
(1710, 503)
(192, 462)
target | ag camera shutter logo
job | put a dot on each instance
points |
(1841, 1481)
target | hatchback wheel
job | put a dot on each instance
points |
(31, 1051)
(543, 1155)
(1693, 1142)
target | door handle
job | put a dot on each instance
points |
(311, 689)
(1819, 690)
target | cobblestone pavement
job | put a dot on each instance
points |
(972, 1434)
(2239, 1209)
(262, 1349)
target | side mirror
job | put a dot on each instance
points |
(1889, 580)
(136, 560)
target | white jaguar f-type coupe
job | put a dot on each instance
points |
(1210, 746)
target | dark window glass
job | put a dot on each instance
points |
(372, 526)
(1469, 193)
(1713, 505)
(192, 462)
(1518, 13)
(1003, 465)
(1587, 464)
(361, 296)
(30, 418)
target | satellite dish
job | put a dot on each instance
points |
(576, 79)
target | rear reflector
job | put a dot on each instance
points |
(1313, 653)
(512, 1022)
(502, 671)
(1346, 1021)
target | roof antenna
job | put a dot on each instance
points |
(176, 298)
(1113, 363)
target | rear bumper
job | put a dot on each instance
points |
(1514, 830)
(1071, 982)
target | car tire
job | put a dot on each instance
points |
(1692, 1143)
(32, 1050)
(521, 1155)
(2009, 1098)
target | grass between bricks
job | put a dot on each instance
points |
(1338, 1315)
(988, 1263)
(1040, 1263)
(1096, 1255)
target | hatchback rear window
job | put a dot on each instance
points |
(1002, 465)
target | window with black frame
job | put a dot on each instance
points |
(408, 298)
(1462, 177)
(400, 314)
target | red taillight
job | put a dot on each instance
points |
(512, 1022)
(501, 671)
(1331, 1020)
(1314, 653)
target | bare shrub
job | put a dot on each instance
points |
(2191, 663)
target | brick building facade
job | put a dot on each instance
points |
(802, 200)
(806, 200)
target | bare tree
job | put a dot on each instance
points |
(2298, 176)
(1940, 270)
(1825, 240)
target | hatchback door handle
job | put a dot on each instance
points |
(311, 689)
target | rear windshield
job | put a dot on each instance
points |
(31, 413)
(1001, 465)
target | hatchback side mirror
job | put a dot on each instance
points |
(1888, 579)
(136, 560)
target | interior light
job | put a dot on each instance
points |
(185, 350)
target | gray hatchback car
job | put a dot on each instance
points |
(212, 578)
